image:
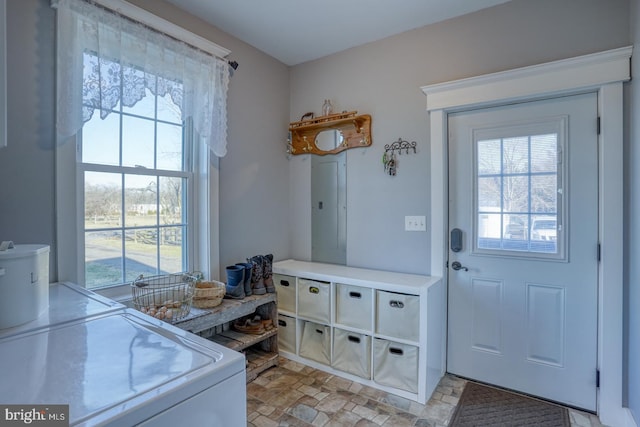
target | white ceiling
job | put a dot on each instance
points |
(296, 31)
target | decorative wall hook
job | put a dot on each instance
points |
(307, 147)
(289, 150)
(389, 157)
(400, 145)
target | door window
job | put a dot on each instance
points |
(518, 190)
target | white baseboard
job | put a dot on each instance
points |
(629, 421)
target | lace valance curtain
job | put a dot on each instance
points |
(125, 60)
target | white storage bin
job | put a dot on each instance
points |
(286, 333)
(286, 291)
(353, 306)
(352, 353)
(315, 343)
(314, 300)
(398, 315)
(395, 365)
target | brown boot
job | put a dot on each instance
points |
(257, 280)
(267, 273)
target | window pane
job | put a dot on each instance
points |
(489, 226)
(516, 194)
(140, 198)
(544, 153)
(544, 193)
(137, 142)
(171, 247)
(489, 157)
(544, 232)
(141, 249)
(101, 140)
(169, 100)
(515, 155)
(488, 194)
(170, 150)
(145, 106)
(171, 196)
(516, 227)
(103, 258)
(102, 200)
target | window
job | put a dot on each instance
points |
(138, 115)
(519, 190)
(137, 174)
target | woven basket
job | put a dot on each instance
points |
(208, 294)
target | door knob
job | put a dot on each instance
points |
(457, 266)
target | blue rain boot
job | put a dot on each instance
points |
(247, 276)
(235, 285)
(267, 273)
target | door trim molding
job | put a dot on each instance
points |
(603, 73)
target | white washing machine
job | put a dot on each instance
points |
(115, 366)
(66, 302)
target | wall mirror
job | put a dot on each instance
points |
(330, 134)
(329, 139)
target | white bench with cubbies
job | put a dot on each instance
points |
(383, 329)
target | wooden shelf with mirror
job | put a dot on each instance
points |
(330, 134)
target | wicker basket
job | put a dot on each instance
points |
(208, 294)
(167, 297)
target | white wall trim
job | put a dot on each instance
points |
(568, 75)
(629, 422)
(138, 14)
(603, 73)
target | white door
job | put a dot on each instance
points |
(523, 194)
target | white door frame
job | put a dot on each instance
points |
(603, 73)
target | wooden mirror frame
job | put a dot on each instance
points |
(355, 129)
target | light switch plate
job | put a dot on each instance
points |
(415, 223)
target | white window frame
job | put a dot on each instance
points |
(557, 125)
(603, 73)
(202, 236)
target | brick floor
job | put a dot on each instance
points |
(293, 394)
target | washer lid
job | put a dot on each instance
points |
(21, 251)
(67, 302)
(119, 366)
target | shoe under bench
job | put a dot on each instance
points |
(260, 350)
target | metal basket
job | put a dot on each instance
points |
(166, 297)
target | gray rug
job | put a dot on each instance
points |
(481, 405)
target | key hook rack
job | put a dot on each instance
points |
(400, 145)
(389, 157)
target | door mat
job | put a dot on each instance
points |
(481, 405)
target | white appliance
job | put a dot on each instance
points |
(24, 283)
(115, 366)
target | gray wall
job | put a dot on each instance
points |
(632, 247)
(253, 175)
(27, 196)
(384, 78)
